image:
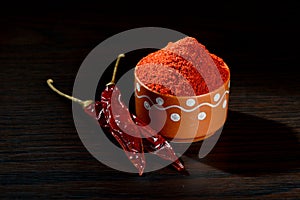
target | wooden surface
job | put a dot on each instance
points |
(42, 156)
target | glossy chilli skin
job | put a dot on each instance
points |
(129, 131)
(157, 144)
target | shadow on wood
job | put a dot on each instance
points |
(252, 146)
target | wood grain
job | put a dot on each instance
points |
(42, 157)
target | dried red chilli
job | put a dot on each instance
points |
(156, 144)
(128, 122)
(132, 143)
(101, 111)
(119, 125)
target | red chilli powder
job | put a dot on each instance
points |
(182, 68)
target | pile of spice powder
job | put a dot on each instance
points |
(182, 68)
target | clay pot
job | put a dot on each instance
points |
(182, 118)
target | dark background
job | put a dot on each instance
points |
(257, 155)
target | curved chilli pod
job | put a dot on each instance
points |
(121, 122)
(119, 125)
(156, 144)
(121, 118)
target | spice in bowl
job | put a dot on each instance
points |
(185, 87)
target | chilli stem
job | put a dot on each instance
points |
(112, 82)
(83, 103)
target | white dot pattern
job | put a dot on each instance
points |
(159, 101)
(175, 117)
(138, 87)
(147, 105)
(216, 97)
(224, 104)
(190, 102)
(202, 116)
